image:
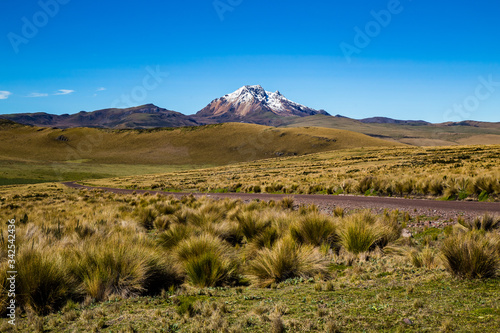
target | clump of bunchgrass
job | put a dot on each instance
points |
(173, 235)
(314, 229)
(207, 260)
(265, 239)
(338, 212)
(286, 203)
(285, 260)
(146, 217)
(358, 233)
(44, 285)
(125, 268)
(470, 255)
(250, 224)
(427, 257)
(486, 223)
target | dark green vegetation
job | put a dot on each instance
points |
(90, 260)
(31, 154)
(449, 173)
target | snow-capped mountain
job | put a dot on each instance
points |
(251, 103)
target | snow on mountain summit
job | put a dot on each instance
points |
(252, 100)
(274, 100)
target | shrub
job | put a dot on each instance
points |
(283, 261)
(470, 255)
(277, 325)
(404, 186)
(483, 196)
(228, 231)
(266, 238)
(181, 216)
(162, 272)
(199, 245)
(389, 231)
(451, 192)
(162, 222)
(207, 214)
(167, 208)
(436, 187)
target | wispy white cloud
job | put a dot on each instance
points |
(101, 89)
(64, 92)
(4, 94)
(37, 95)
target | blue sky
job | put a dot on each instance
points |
(436, 61)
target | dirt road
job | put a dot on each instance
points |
(444, 210)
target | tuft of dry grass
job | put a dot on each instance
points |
(277, 325)
(358, 234)
(45, 284)
(314, 229)
(283, 261)
(486, 223)
(471, 255)
(451, 173)
(207, 261)
(427, 257)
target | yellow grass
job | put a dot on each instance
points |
(212, 144)
(457, 172)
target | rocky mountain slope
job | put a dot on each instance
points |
(144, 116)
(253, 104)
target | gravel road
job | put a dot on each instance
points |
(441, 210)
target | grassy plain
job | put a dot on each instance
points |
(95, 261)
(212, 144)
(445, 134)
(32, 154)
(456, 172)
(141, 263)
(25, 172)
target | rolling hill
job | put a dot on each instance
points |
(412, 132)
(249, 104)
(211, 144)
(254, 105)
(144, 116)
